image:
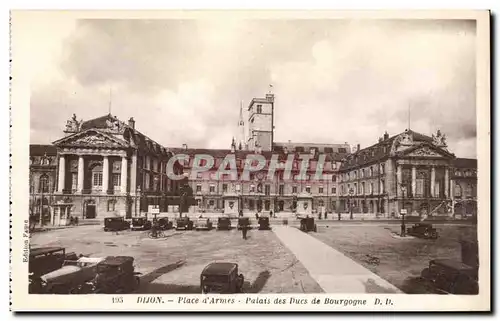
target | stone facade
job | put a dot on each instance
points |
(409, 171)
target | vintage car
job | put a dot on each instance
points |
(221, 277)
(115, 223)
(116, 274)
(451, 276)
(423, 230)
(140, 223)
(184, 223)
(264, 223)
(165, 224)
(244, 221)
(307, 224)
(72, 277)
(203, 224)
(224, 223)
(43, 260)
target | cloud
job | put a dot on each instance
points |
(334, 80)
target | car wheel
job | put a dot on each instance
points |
(426, 234)
(105, 230)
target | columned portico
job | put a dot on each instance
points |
(81, 175)
(123, 179)
(62, 174)
(105, 174)
(413, 181)
(433, 181)
(399, 177)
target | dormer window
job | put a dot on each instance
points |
(259, 109)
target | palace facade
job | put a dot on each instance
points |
(409, 172)
(106, 167)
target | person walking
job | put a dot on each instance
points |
(244, 230)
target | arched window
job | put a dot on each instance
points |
(43, 187)
(97, 176)
(468, 190)
(458, 190)
(371, 171)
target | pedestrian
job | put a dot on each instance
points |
(257, 216)
(271, 214)
(339, 215)
(326, 213)
(241, 213)
(76, 220)
(244, 231)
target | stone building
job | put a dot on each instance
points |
(409, 171)
(464, 187)
(103, 167)
(43, 164)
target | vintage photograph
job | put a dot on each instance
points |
(253, 155)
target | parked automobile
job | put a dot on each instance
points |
(140, 223)
(116, 274)
(221, 277)
(184, 223)
(165, 224)
(43, 260)
(224, 223)
(264, 223)
(115, 223)
(423, 230)
(307, 224)
(72, 277)
(244, 221)
(451, 276)
(204, 224)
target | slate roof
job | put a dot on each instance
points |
(41, 150)
(377, 152)
(465, 163)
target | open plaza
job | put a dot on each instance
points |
(338, 258)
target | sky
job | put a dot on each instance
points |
(183, 81)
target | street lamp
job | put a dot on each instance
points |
(351, 192)
(403, 212)
(137, 193)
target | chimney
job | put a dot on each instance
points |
(386, 136)
(184, 146)
(359, 147)
(270, 97)
(131, 123)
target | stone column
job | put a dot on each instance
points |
(399, 177)
(133, 174)
(62, 174)
(413, 181)
(105, 174)
(446, 182)
(81, 172)
(433, 179)
(124, 175)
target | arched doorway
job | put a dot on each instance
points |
(281, 206)
(371, 207)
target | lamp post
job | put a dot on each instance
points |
(351, 192)
(403, 213)
(137, 195)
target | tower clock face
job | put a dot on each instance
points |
(260, 176)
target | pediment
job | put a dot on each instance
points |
(91, 138)
(427, 151)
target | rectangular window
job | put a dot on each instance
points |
(198, 188)
(211, 203)
(320, 190)
(334, 190)
(342, 150)
(328, 150)
(294, 189)
(259, 109)
(116, 180)
(308, 189)
(97, 179)
(212, 188)
(282, 189)
(267, 190)
(299, 149)
(74, 181)
(224, 188)
(252, 188)
(199, 175)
